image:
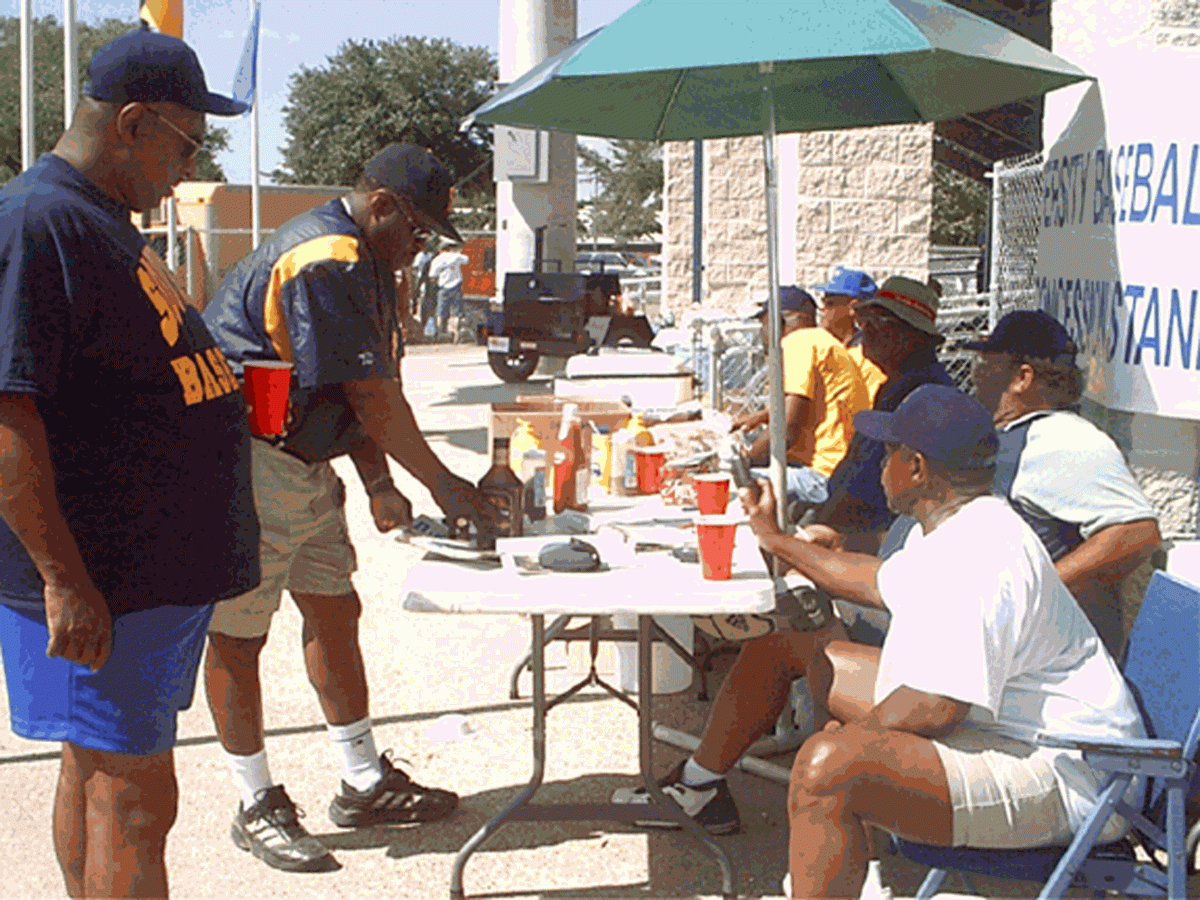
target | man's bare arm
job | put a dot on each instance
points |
(755, 419)
(389, 508)
(918, 712)
(796, 409)
(849, 575)
(388, 418)
(1110, 554)
(77, 615)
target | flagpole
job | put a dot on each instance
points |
(255, 200)
(70, 63)
(27, 146)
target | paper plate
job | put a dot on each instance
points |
(464, 551)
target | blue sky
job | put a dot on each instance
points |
(308, 32)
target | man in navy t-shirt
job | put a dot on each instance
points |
(127, 505)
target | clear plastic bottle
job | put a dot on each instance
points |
(618, 452)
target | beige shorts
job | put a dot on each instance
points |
(305, 544)
(1005, 794)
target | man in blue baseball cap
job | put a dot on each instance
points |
(1065, 476)
(983, 633)
(127, 505)
(838, 297)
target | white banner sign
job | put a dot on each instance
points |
(1119, 244)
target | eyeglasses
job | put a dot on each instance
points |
(871, 318)
(196, 144)
(419, 231)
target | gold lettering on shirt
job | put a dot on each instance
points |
(189, 380)
(211, 389)
(220, 369)
(164, 294)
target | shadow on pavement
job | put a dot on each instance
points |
(474, 439)
(471, 394)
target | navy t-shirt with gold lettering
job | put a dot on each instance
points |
(145, 421)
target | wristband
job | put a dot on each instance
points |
(377, 485)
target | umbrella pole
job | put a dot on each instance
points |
(777, 425)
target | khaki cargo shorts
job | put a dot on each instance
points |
(1005, 794)
(305, 545)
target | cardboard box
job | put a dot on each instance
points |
(544, 414)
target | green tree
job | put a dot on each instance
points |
(629, 199)
(960, 207)
(48, 89)
(372, 93)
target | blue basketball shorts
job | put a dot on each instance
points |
(130, 706)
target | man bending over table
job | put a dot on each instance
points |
(984, 636)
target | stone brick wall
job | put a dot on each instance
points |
(866, 197)
(864, 200)
(735, 224)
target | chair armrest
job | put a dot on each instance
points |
(1141, 747)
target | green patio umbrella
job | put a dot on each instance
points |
(671, 70)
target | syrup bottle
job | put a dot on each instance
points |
(504, 490)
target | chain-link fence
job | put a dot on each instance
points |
(1016, 206)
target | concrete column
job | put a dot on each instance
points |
(530, 31)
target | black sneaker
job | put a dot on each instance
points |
(271, 830)
(396, 800)
(710, 805)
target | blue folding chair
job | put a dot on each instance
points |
(1162, 666)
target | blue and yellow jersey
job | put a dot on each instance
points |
(314, 295)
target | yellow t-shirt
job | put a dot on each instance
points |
(872, 375)
(817, 366)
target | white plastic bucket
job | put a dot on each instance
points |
(669, 673)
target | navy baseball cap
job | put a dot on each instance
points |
(941, 422)
(417, 174)
(791, 299)
(849, 283)
(147, 66)
(1032, 333)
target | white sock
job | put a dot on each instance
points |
(250, 773)
(354, 745)
(695, 774)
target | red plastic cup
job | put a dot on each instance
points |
(265, 384)
(712, 493)
(649, 469)
(714, 536)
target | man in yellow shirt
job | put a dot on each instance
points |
(823, 390)
(838, 297)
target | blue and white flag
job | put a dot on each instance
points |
(245, 81)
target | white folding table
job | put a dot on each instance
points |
(655, 584)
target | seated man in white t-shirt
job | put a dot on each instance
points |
(984, 637)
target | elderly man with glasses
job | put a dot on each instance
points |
(320, 293)
(126, 494)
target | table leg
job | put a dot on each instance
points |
(538, 670)
(559, 625)
(522, 809)
(646, 753)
